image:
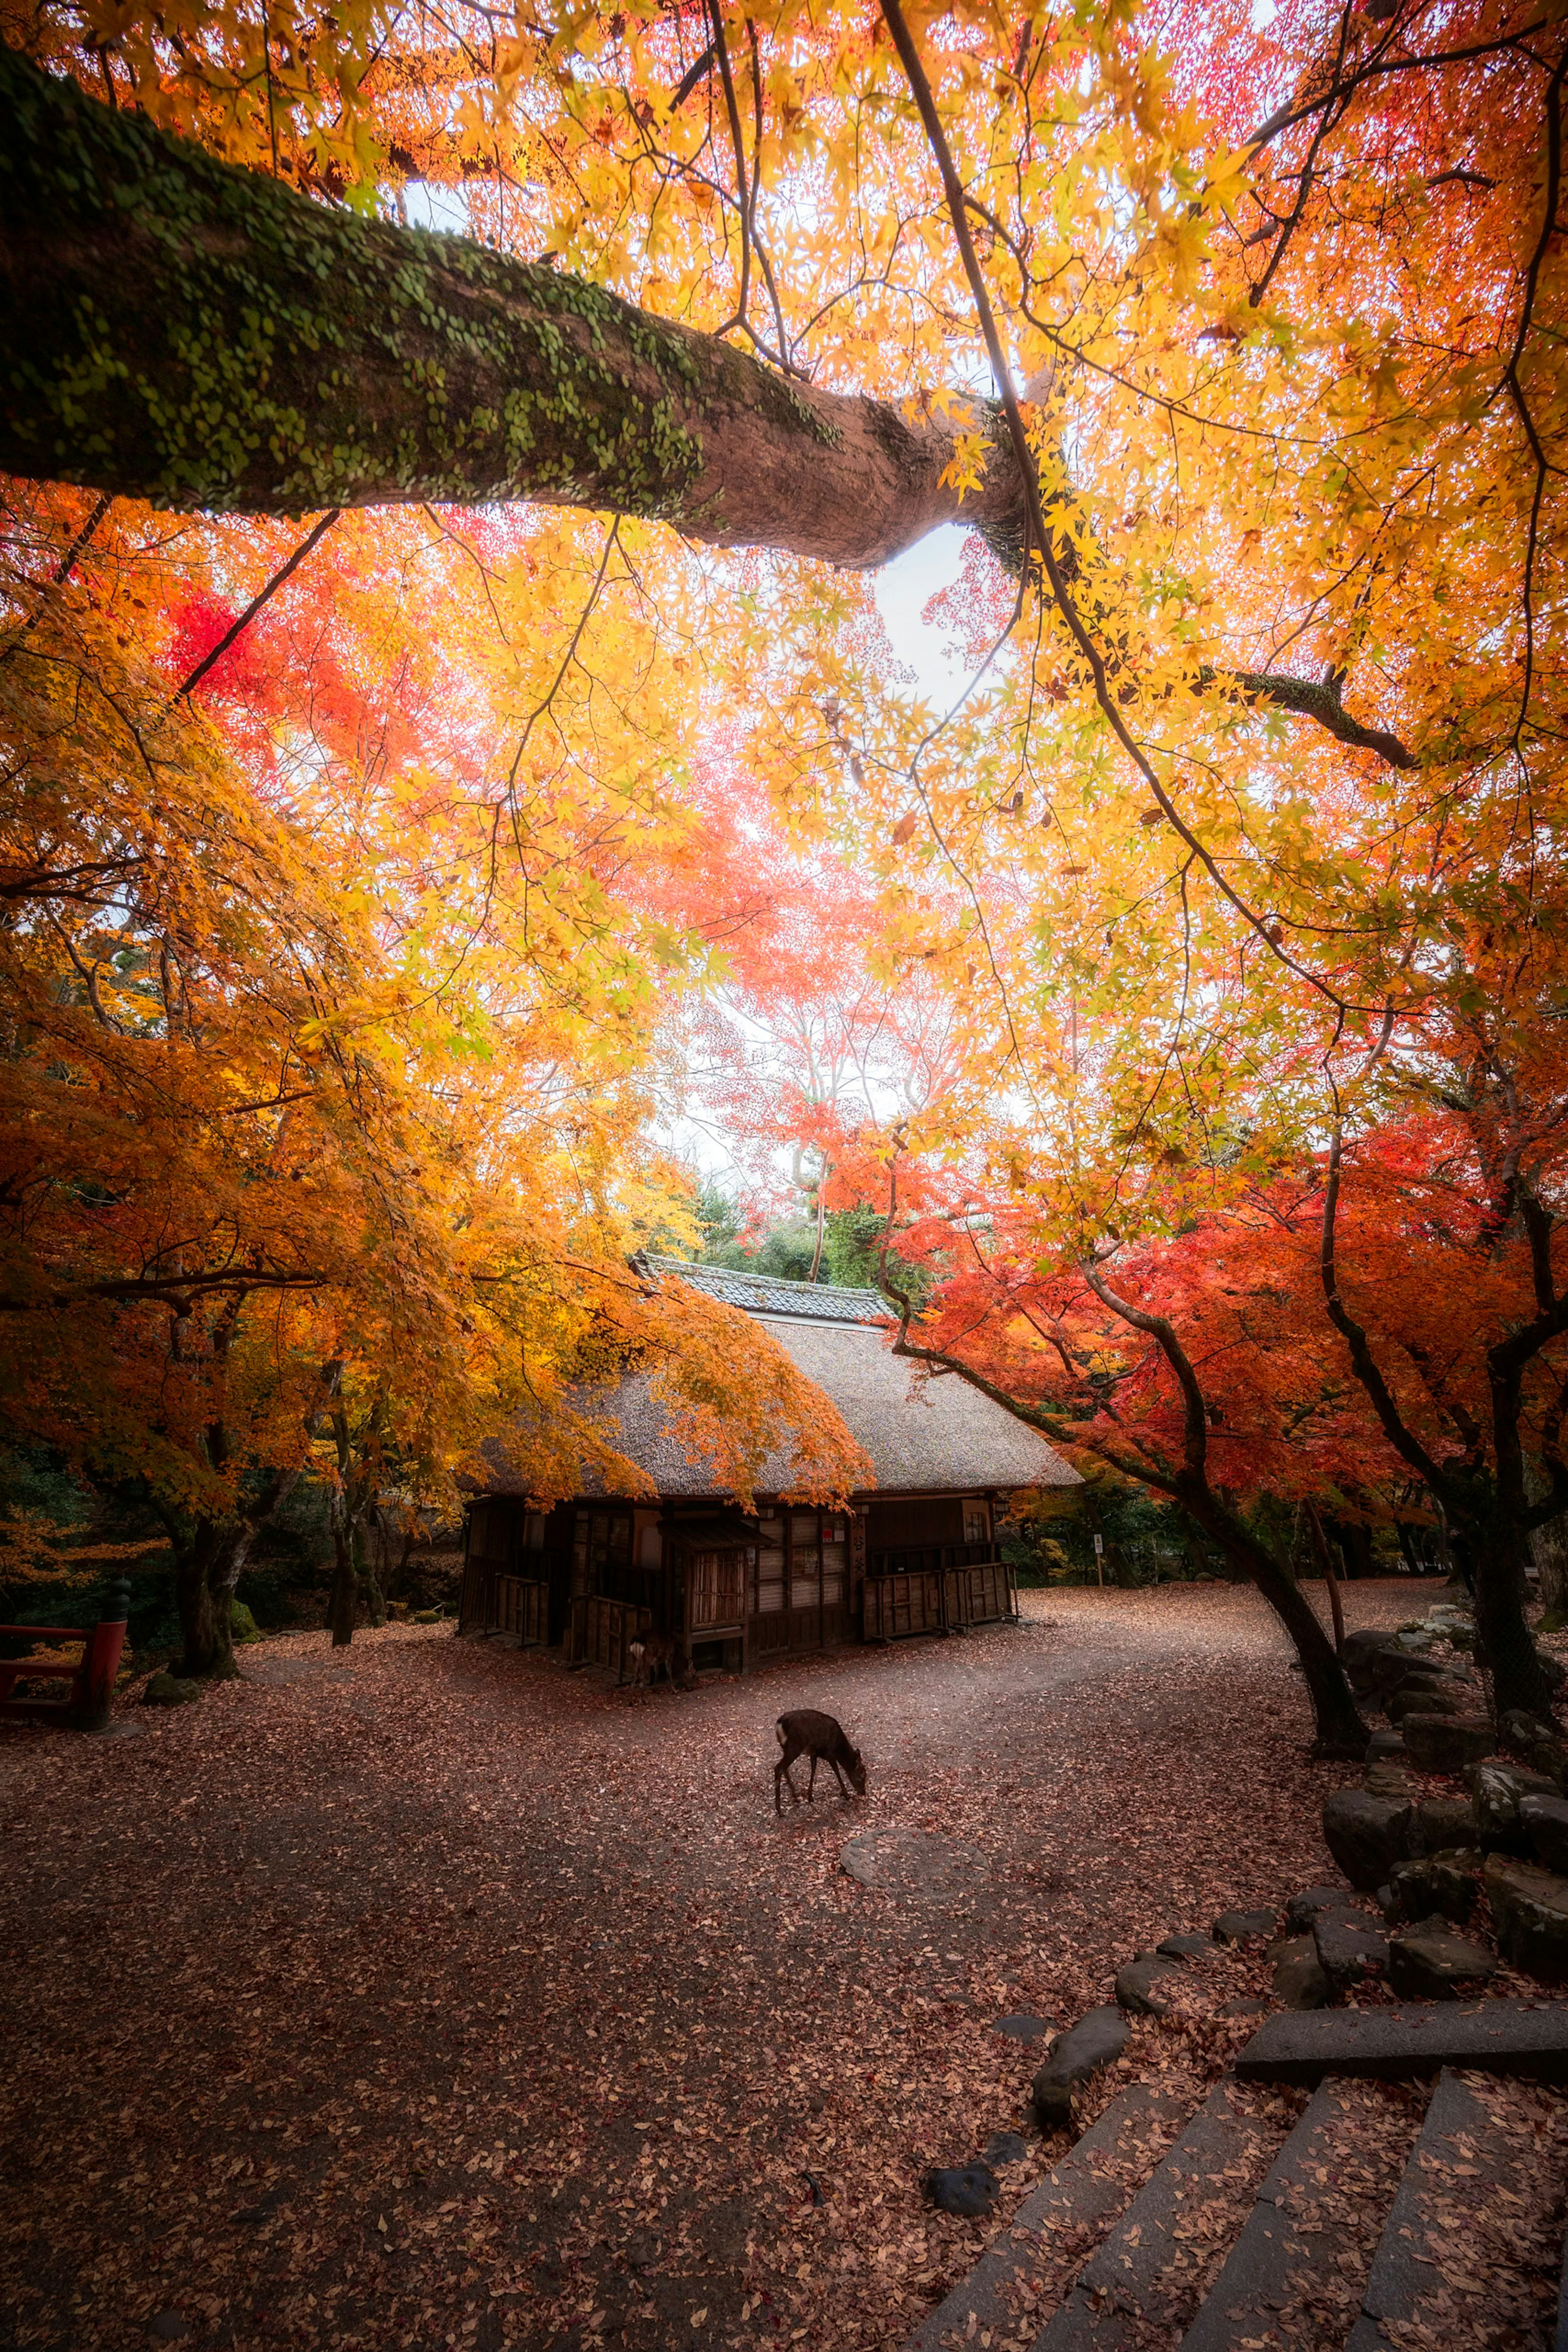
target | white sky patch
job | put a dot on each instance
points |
(903, 590)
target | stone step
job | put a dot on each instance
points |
(1034, 2260)
(1421, 2289)
(1292, 2276)
(1409, 2038)
(1151, 2270)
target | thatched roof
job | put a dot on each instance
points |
(924, 1435)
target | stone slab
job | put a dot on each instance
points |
(1275, 2260)
(1082, 2195)
(911, 1862)
(1304, 1908)
(1141, 2278)
(1405, 2268)
(1429, 1962)
(1350, 1945)
(1407, 2039)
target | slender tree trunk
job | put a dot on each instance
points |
(1325, 1559)
(1340, 1730)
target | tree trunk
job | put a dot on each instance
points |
(366, 1579)
(1504, 1644)
(1325, 1560)
(1340, 1730)
(204, 1585)
(202, 1649)
(1549, 1550)
(249, 351)
(345, 1592)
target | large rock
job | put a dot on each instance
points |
(1428, 1698)
(1238, 1926)
(1385, 1748)
(1138, 1986)
(1097, 2040)
(170, 1690)
(1540, 1745)
(1545, 1821)
(1446, 1743)
(243, 1626)
(1429, 1962)
(1187, 1947)
(1439, 1822)
(1366, 1835)
(1304, 1908)
(1446, 1883)
(1358, 1652)
(1350, 1945)
(967, 2189)
(1497, 1788)
(1299, 1978)
(1404, 1656)
(1529, 1915)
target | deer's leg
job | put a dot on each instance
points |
(781, 1773)
(811, 1783)
(843, 1785)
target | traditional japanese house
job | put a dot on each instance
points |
(917, 1553)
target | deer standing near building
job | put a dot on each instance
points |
(660, 1654)
(823, 1738)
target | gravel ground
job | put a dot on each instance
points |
(427, 1994)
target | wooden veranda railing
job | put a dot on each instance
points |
(520, 1605)
(599, 1633)
(963, 1585)
(88, 1680)
(493, 1601)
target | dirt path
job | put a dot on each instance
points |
(429, 1995)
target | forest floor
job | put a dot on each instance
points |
(427, 1994)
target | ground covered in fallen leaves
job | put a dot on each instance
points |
(429, 1994)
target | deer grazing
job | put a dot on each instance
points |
(657, 1654)
(824, 1740)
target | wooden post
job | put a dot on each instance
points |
(100, 1662)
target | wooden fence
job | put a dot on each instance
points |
(88, 1680)
(938, 1598)
(599, 1633)
(520, 1605)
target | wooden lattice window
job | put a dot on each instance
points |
(770, 1589)
(717, 1584)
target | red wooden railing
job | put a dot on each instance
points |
(91, 1680)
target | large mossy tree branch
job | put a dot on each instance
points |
(179, 329)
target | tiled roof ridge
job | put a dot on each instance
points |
(773, 1293)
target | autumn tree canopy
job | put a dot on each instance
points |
(1233, 859)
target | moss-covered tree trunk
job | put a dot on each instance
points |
(178, 330)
